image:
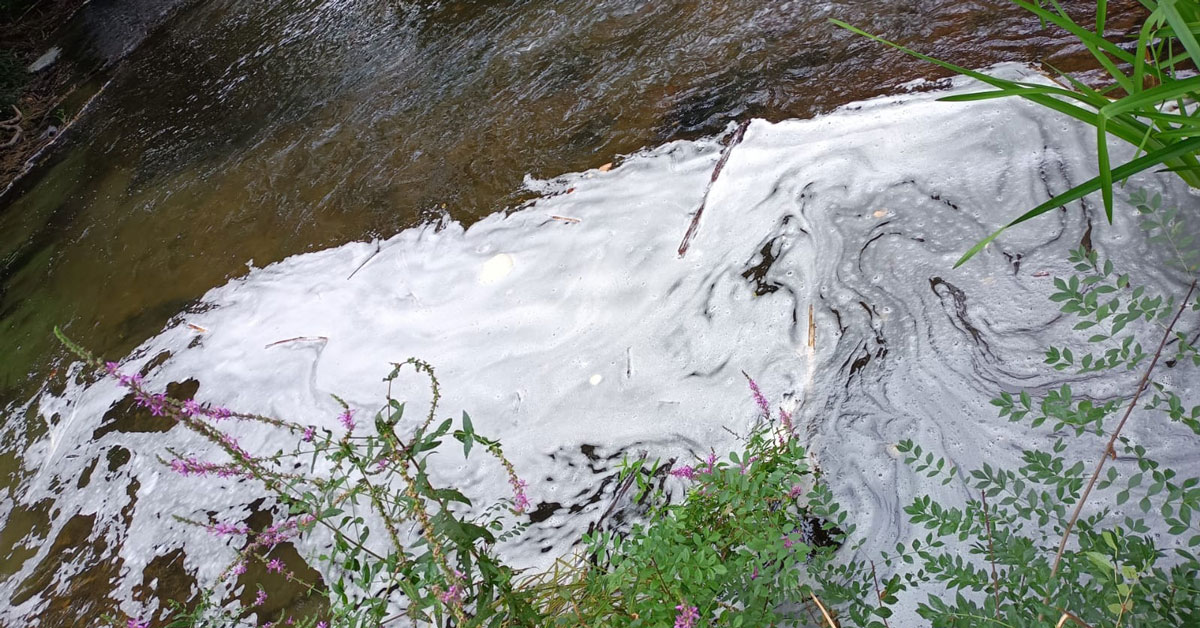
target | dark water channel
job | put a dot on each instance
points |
(245, 132)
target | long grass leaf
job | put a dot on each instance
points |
(1022, 92)
(1182, 33)
(1152, 97)
(1105, 171)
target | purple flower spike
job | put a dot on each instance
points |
(686, 616)
(309, 434)
(686, 472)
(520, 500)
(133, 623)
(275, 566)
(347, 420)
(761, 400)
(261, 598)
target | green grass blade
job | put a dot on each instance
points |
(1022, 92)
(1105, 169)
(1182, 32)
(1125, 171)
(1152, 97)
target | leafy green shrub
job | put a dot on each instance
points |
(1025, 549)
(736, 551)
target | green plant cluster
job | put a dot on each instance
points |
(738, 548)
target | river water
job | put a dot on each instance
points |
(245, 133)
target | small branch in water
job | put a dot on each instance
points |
(1109, 450)
(812, 328)
(297, 339)
(824, 612)
(370, 257)
(738, 136)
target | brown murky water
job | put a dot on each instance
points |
(243, 133)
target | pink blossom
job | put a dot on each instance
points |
(239, 569)
(453, 595)
(218, 413)
(686, 616)
(133, 623)
(761, 400)
(686, 472)
(261, 598)
(309, 434)
(228, 529)
(347, 420)
(275, 566)
(194, 466)
(520, 500)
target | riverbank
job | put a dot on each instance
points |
(54, 58)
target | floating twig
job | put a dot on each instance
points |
(738, 136)
(370, 257)
(824, 613)
(297, 339)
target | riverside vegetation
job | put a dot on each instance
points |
(757, 539)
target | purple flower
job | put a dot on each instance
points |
(239, 569)
(133, 623)
(219, 413)
(322, 624)
(228, 529)
(275, 566)
(453, 595)
(520, 500)
(261, 598)
(194, 466)
(686, 616)
(785, 418)
(795, 492)
(686, 472)
(763, 406)
(309, 434)
(347, 419)
(156, 404)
